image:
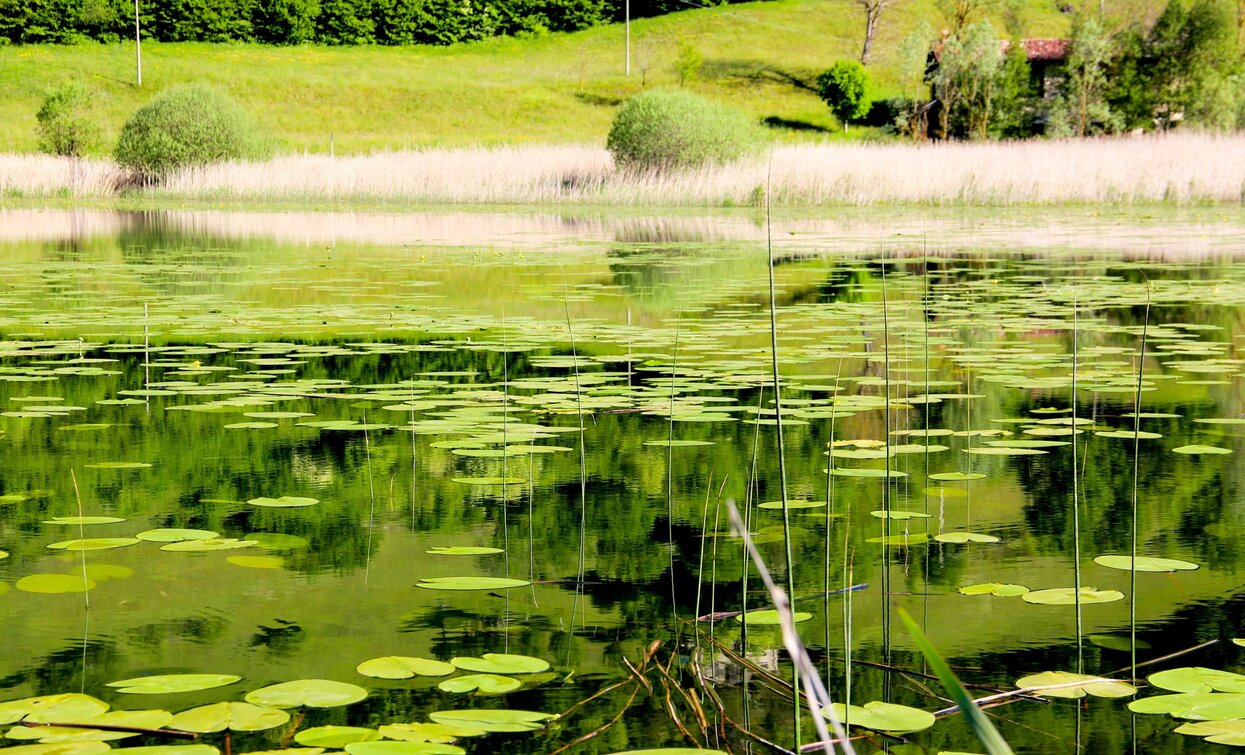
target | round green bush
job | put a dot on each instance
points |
(667, 130)
(68, 121)
(187, 126)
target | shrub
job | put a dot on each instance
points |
(845, 88)
(68, 121)
(187, 126)
(668, 130)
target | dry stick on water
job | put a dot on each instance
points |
(1076, 505)
(834, 412)
(749, 496)
(782, 462)
(674, 369)
(814, 690)
(583, 462)
(700, 568)
(86, 584)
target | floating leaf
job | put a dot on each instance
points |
(422, 732)
(501, 663)
(94, 544)
(462, 550)
(994, 588)
(75, 520)
(1066, 596)
(471, 583)
(229, 715)
(956, 476)
(119, 465)
(69, 706)
(997, 451)
(486, 684)
(801, 504)
(101, 572)
(1083, 684)
(1197, 679)
(1230, 732)
(1195, 450)
(862, 472)
(965, 537)
(403, 748)
(220, 544)
(499, 721)
(312, 693)
(1144, 563)
(898, 514)
(171, 683)
(887, 717)
(770, 617)
(257, 562)
(403, 667)
(284, 502)
(335, 736)
(54, 583)
(171, 535)
(65, 748)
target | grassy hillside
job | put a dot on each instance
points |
(761, 57)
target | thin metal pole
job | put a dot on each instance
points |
(138, 45)
(626, 24)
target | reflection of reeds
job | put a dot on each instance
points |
(1180, 167)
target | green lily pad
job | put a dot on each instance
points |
(257, 562)
(421, 732)
(1066, 596)
(312, 693)
(1197, 679)
(76, 520)
(101, 572)
(54, 583)
(171, 683)
(234, 716)
(335, 736)
(284, 502)
(501, 663)
(994, 588)
(403, 667)
(94, 544)
(801, 504)
(880, 716)
(403, 748)
(471, 583)
(901, 540)
(69, 706)
(250, 425)
(498, 721)
(462, 550)
(172, 535)
(1142, 435)
(1195, 450)
(678, 443)
(63, 748)
(172, 750)
(1092, 685)
(898, 515)
(965, 537)
(956, 476)
(864, 472)
(1004, 451)
(770, 617)
(1144, 563)
(1174, 704)
(485, 684)
(218, 544)
(1230, 732)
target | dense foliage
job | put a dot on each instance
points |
(187, 126)
(668, 130)
(291, 22)
(845, 88)
(68, 125)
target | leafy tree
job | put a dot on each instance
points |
(913, 60)
(687, 64)
(185, 127)
(965, 79)
(669, 130)
(68, 121)
(345, 22)
(1089, 55)
(845, 88)
(1013, 98)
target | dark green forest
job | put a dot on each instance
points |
(332, 22)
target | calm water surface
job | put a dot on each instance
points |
(180, 370)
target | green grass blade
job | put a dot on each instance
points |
(985, 731)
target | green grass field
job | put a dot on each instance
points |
(761, 57)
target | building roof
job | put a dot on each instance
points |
(1041, 49)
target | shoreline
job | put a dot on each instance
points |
(1167, 170)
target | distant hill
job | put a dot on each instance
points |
(761, 57)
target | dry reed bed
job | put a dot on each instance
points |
(1177, 168)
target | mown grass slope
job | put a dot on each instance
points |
(761, 57)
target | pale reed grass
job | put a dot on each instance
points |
(1179, 168)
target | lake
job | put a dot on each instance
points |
(259, 448)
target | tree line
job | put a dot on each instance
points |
(331, 22)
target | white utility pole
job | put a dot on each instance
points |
(626, 23)
(138, 45)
